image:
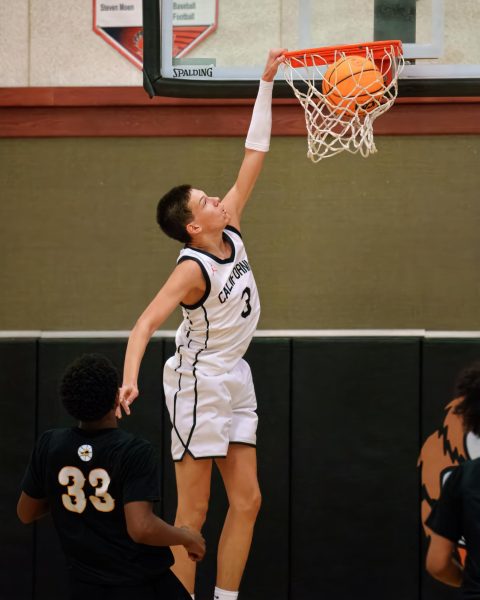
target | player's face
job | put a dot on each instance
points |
(208, 211)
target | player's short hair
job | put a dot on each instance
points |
(468, 386)
(174, 214)
(89, 387)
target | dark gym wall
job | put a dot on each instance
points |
(341, 423)
(354, 488)
(18, 407)
(387, 242)
(442, 361)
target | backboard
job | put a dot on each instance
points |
(217, 48)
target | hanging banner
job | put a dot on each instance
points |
(192, 22)
(120, 25)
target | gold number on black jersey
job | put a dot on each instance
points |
(246, 296)
(102, 500)
(74, 500)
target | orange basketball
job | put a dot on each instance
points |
(352, 83)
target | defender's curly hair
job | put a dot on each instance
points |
(89, 387)
(174, 214)
(468, 386)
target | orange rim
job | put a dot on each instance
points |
(309, 56)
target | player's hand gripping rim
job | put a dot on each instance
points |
(126, 395)
(275, 59)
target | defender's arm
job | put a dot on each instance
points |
(441, 563)
(30, 509)
(144, 527)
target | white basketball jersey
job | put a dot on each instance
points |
(217, 330)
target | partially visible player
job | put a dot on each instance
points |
(99, 483)
(456, 514)
(208, 386)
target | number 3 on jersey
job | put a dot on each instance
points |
(74, 500)
(248, 308)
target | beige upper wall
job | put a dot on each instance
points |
(14, 33)
(52, 43)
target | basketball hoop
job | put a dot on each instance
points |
(343, 89)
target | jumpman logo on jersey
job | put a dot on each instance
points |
(214, 269)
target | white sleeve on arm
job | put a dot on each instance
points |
(258, 137)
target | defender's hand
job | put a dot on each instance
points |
(195, 546)
(275, 59)
(127, 394)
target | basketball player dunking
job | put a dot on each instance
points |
(208, 386)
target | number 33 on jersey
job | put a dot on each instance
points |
(75, 500)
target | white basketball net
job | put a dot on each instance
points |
(331, 127)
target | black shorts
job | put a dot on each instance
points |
(167, 587)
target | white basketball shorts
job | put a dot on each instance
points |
(208, 412)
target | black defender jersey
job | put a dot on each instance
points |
(87, 477)
(457, 514)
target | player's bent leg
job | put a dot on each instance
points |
(193, 492)
(239, 474)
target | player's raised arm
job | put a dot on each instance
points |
(257, 142)
(186, 279)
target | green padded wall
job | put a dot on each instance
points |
(388, 241)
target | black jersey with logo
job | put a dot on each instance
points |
(87, 477)
(456, 514)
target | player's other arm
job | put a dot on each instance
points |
(30, 509)
(257, 143)
(185, 280)
(441, 563)
(144, 527)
